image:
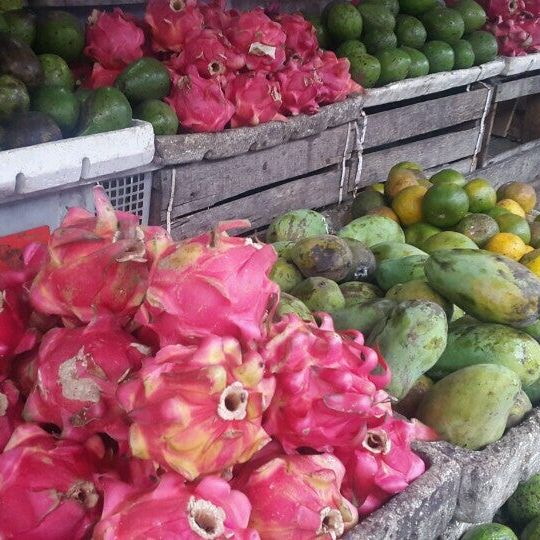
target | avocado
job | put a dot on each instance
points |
(365, 69)
(377, 40)
(31, 128)
(419, 63)
(464, 54)
(14, 98)
(56, 72)
(18, 59)
(21, 25)
(60, 104)
(61, 33)
(484, 46)
(410, 31)
(395, 65)
(377, 16)
(159, 114)
(82, 94)
(146, 78)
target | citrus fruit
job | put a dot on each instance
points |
(416, 7)
(524, 505)
(418, 233)
(350, 48)
(484, 46)
(394, 65)
(343, 22)
(478, 227)
(463, 54)
(473, 14)
(515, 225)
(497, 211)
(407, 204)
(445, 205)
(448, 240)
(448, 176)
(377, 40)
(365, 201)
(507, 244)
(365, 69)
(399, 179)
(489, 531)
(512, 206)
(385, 212)
(379, 186)
(376, 16)
(410, 31)
(440, 56)
(419, 63)
(406, 165)
(531, 260)
(527, 249)
(535, 234)
(524, 194)
(482, 195)
(444, 24)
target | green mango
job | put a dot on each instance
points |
(319, 294)
(295, 225)
(418, 289)
(146, 78)
(487, 343)
(411, 340)
(363, 261)
(533, 392)
(285, 274)
(284, 249)
(533, 330)
(362, 317)
(325, 256)
(394, 250)
(358, 292)
(372, 230)
(289, 304)
(490, 287)
(394, 271)
(522, 405)
(470, 407)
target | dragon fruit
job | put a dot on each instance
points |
(298, 498)
(299, 88)
(326, 391)
(78, 374)
(382, 465)
(256, 99)
(209, 509)
(335, 78)
(502, 8)
(112, 39)
(532, 7)
(10, 411)
(99, 77)
(171, 21)
(198, 410)
(52, 479)
(516, 36)
(96, 265)
(199, 103)
(301, 36)
(24, 371)
(216, 16)
(260, 39)
(211, 53)
(212, 284)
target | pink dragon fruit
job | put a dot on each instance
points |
(335, 78)
(199, 103)
(326, 392)
(212, 284)
(383, 464)
(256, 99)
(171, 21)
(502, 8)
(301, 36)
(97, 265)
(53, 480)
(24, 371)
(299, 88)
(260, 39)
(209, 509)
(10, 411)
(99, 77)
(297, 498)
(198, 410)
(532, 7)
(78, 374)
(216, 16)
(112, 39)
(211, 53)
(516, 36)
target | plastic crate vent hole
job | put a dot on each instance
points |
(130, 194)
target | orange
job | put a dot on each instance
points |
(520, 192)
(407, 204)
(385, 212)
(511, 206)
(448, 176)
(507, 244)
(528, 249)
(399, 180)
(445, 205)
(379, 187)
(482, 195)
(418, 233)
(531, 260)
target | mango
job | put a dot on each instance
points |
(364, 263)
(533, 391)
(285, 274)
(394, 271)
(533, 330)
(324, 255)
(290, 304)
(487, 286)
(448, 240)
(522, 405)
(358, 292)
(284, 249)
(411, 340)
(319, 294)
(418, 289)
(409, 404)
(394, 250)
(362, 317)
(372, 230)
(470, 407)
(487, 343)
(295, 225)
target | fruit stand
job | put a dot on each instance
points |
(271, 270)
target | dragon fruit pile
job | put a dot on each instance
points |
(515, 24)
(227, 68)
(148, 390)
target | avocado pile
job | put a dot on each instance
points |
(391, 40)
(39, 98)
(458, 325)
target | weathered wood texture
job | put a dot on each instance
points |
(520, 87)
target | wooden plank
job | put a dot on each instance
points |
(520, 87)
(412, 120)
(260, 208)
(206, 183)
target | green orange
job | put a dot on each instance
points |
(445, 205)
(482, 195)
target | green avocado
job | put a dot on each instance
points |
(60, 104)
(146, 78)
(14, 98)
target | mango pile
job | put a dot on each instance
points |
(442, 276)
(391, 40)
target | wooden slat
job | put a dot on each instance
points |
(433, 114)
(260, 208)
(203, 184)
(520, 87)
